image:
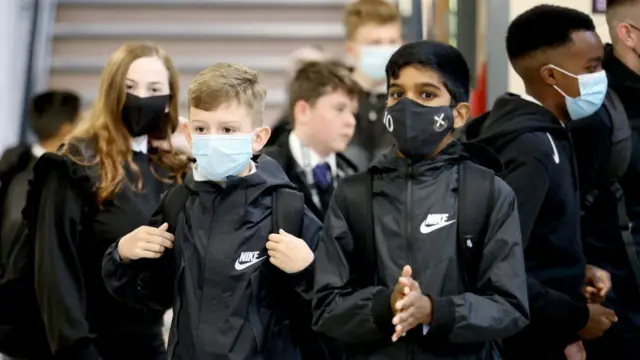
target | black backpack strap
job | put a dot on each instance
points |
(476, 194)
(174, 202)
(354, 196)
(620, 137)
(625, 231)
(288, 211)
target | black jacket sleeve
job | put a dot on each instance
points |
(145, 282)
(529, 179)
(500, 308)
(340, 309)
(59, 282)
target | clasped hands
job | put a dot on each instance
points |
(409, 306)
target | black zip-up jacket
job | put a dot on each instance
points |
(72, 233)
(626, 84)
(537, 154)
(231, 302)
(463, 323)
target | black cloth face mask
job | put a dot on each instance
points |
(142, 116)
(418, 129)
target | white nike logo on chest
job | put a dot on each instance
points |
(247, 259)
(434, 222)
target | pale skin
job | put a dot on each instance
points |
(148, 76)
(328, 125)
(372, 34)
(287, 252)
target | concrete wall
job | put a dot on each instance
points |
(15, 20)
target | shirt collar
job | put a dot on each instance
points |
(140, 144)
(307, 158)
(37, 150)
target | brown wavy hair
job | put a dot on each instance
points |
(105, 131)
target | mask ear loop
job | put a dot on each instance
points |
(566, 73)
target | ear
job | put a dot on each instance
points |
(548, 74)
(301, 112)
(260, 139)
(352, 50)
(461, 114)
(184, 128)
(626, 35)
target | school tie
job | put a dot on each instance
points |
(324, 184)
(322, 176)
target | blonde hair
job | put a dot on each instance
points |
(363, 12)
(106, 132)
(222, 83)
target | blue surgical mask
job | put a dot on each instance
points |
(593, 88)
(374, 59)
(221, 156)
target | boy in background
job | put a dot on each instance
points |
(235, 295)
(322, 103)
(373, 33)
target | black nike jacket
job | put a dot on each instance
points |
(229, 301)
(404, 196)
(539, 165)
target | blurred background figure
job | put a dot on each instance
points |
(52, 115)
(322, 102)
(373, 33)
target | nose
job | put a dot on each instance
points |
(350, 120)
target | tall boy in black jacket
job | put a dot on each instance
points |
(233, 292)
(557, 53)
(414, 197)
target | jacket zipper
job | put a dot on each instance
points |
(407, 234)
(408, 214)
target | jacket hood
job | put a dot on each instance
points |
(455, 152)
(510, 117)
(268, 176)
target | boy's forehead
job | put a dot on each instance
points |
(231, 111)
(372, 32)
(415, 74)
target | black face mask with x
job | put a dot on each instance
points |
(418, 129)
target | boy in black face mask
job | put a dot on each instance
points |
(421, 256)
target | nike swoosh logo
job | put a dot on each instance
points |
(425, 229)
(240, 266)
(556, 157)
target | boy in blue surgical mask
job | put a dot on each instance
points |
(374, 32)
(235, 294)
(558, 54)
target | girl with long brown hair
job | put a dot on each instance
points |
(105, 182)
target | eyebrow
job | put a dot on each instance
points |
(152, 83)
(425, 84)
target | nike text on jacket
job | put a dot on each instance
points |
(537, 154)
(408, 201)
(229, 301)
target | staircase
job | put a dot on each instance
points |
(259, 34)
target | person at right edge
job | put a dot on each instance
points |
(605, 155)
(558, 55)
(441, 307)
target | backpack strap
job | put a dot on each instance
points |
(288, 211)
(355, 199)
(476, 194)
(620, 156)
(174, 202)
